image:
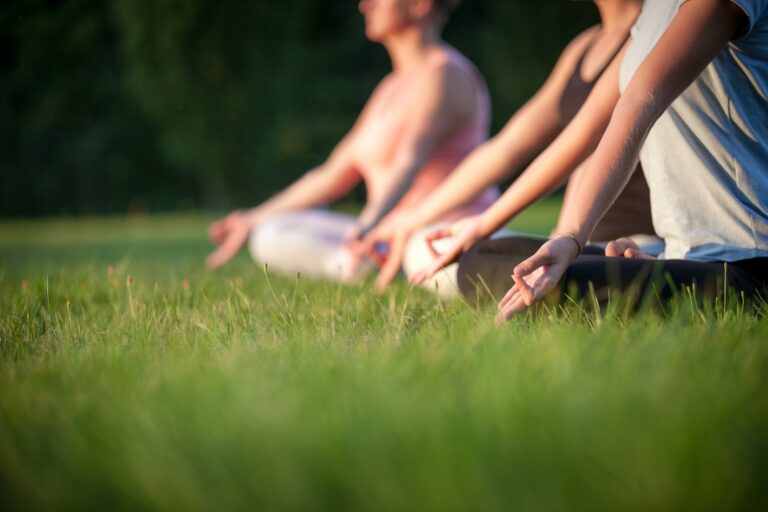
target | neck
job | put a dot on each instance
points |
(408, 48)
(618, 15)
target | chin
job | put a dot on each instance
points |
(373, 35)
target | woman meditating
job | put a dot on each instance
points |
(421, 120)
(540, 128)
(694, 109)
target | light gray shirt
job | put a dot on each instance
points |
(706, 158)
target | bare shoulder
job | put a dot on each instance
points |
(452, 73)
(383, 84)
(579, 44)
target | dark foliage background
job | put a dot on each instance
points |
(136, 105)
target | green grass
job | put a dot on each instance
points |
(191, 390)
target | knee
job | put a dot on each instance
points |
(417, 255)
(265, 238)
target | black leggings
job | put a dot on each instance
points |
(487, 267)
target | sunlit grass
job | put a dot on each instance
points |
(131, 378)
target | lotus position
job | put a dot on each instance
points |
(422, 119)
(694, 108)
(549, 126)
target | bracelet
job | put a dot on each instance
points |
(572, 237)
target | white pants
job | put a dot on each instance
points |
(310, 242)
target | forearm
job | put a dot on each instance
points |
(571, 191)
(488, 165)
(610, 168)
(676, 60)
(542, 177)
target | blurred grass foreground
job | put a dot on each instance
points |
(133, 379)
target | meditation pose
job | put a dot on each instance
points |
(547, 131)
(694, 108)
(422, 119)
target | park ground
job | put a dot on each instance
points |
(131, 378)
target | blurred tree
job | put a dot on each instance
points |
(70, 139)
(201, 103)
(245, 89)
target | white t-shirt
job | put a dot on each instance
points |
(706, 158)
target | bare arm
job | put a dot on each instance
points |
(574, 144)
(571, 190)
(322, 184)
(674, 63)
(577, 141)
(678, 58)
(526, 134)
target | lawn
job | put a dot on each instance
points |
(133, 379)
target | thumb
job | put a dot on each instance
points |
(391, 266)
(435, 236)
(613, 249)
(539, 259)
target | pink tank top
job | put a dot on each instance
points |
(376, 141)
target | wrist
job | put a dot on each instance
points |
(253, 216)
(408, 226)
(486, 225)
(578, 230)
(574, 238)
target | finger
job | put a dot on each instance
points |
(613, 249)
(526, 292)
(512, 308)
(221, 255)
(216, 232)
(544, 284)
(427, 272)
(437, 234)
(511, 295)
(418, 278)
(629, 243)
(368, 244)
(444, 259)
(391, 267)
(227, 249)
(424, 274)
(538, 260)
(216, 259)
(434, 236)
(378, 258)
(354, 247)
